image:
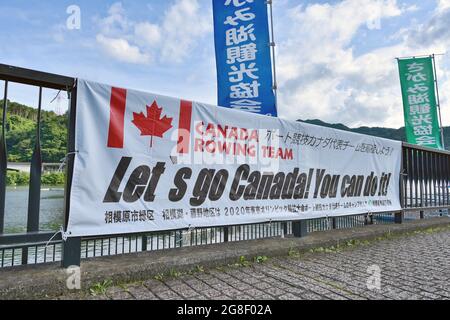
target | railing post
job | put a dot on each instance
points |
(334, 223)
(285, 228)
(24, 256)
(71, 252)
(225, 234)
(300, 228)
(71, 248)
(179, 238)
(3, 160)
(144, 242)
(399, 217)
(34, 190)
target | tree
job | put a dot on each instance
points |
(21, 134)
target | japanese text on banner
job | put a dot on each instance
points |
(420, 103)
(244, 66)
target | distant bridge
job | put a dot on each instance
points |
(25, 167)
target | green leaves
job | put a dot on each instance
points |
(294, 253)
(17, 178)
(21, 134)
(261, 259)
(159, 277)
(23, 179)
(243, 262)
(53, 179)
(199, 269)
(100, 288)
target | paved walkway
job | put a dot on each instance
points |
(412, 267)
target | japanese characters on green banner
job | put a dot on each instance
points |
(419, 102)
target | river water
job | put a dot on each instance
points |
(16, 210)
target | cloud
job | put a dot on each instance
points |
(116, 22)
(113, 38)
(121, 50)
(321, 77)
(182, 26)
(184, 23)
(435, 32)
(443, 5)
(147, 34)
(58, 33)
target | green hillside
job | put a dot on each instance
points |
(21, 134)
(388, 133)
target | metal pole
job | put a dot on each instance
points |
(34, 198)
(300, 228)
(272, 45)
(419, 56)
(438, 100)
(3, 161)
(71, 249)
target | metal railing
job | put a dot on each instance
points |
(424, 187)
(426, 177)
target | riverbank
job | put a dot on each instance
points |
(16, 179)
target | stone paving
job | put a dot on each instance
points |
(412, 267)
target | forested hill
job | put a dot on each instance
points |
(388, 133)
(21, 133)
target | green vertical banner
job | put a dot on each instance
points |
(419, 102)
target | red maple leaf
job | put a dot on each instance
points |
(152, 124)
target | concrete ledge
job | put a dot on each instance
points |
(43, 281)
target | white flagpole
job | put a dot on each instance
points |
(438, 100)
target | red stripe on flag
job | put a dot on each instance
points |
(184, 127)
(117, 118)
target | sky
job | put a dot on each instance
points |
(335, 60)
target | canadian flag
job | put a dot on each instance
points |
(150, 124)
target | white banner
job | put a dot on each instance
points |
(146, 162)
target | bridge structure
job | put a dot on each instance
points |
(26, 167)
(424, 192)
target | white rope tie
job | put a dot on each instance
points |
(63, 236)
(188, 231)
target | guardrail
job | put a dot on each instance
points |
(424, 191)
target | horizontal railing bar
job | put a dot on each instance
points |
(29, 245)
(156, 233)
(32, 239)
(22, 238)
(427, 208)
(35, 78)
(417, 147)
